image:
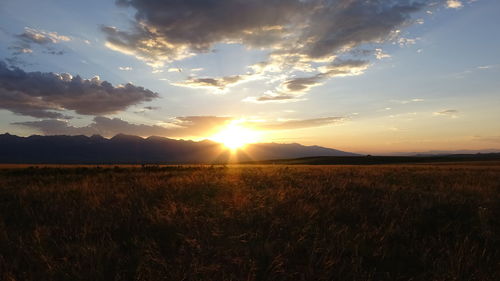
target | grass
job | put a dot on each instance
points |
(399, 222)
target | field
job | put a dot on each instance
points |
(251, 222)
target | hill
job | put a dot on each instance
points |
(372, 160)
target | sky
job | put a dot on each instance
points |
(367, 76)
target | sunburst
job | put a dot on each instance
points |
(235, 136)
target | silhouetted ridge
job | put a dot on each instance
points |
(124, 148)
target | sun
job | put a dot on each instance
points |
(234, 136)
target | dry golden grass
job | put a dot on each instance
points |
(412, 222)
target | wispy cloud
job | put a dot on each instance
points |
(301, 124)
(492, 138)
(292, 89)
(379, 54)
(271, 97)
(489, 66)
(453, 113)
(31, 36)
(220, 84)
(42, 37)
(407, 41)
(454, 4)
(408, 101)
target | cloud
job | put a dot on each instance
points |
(144, 45)
(46, 95)
(336, 69)
(303, 84)
(213, 83)
(32, 36)
(147, 108)
(42, 37)
(490, 66)
(347, 24)
(170, 30)
(179, 127)
(448, 112)
(298, 36)
(125, 68)
(342, 68)
(301, 124)
(379, 54)
(188, 126)
(408, 101)
(21, 50)
(454, 4)
(271, 97)
(199, 125)
(292, 89)
(495, 139)
(24, 104)
(52, 51)
(407, 41)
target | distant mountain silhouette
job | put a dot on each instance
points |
(375, 160)
(133, 149)
(446, 152)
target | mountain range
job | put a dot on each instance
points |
(137, 150)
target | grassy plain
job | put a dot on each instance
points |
(392, 222)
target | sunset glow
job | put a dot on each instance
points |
(368, 77)
(250, 139)
(235, 136)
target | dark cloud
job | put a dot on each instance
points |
(190, 126)
(168, 30)
(17, 61)
(303, 83)
(57, 127)
(147, 108)
(24, 104)
(41, 94)
(345, 24)
(299, 35)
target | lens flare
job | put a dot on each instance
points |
(234, 136)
